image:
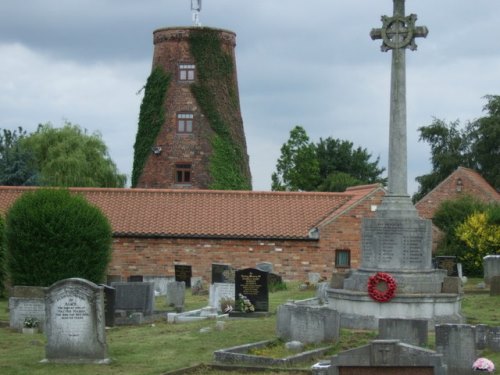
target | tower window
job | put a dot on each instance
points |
(185, 122)
(183, 173)
(342, 258)
(186, 72)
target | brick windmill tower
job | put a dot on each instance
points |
(190, 133)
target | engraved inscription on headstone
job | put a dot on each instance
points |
(75, 322)
(183, 273)
(252, 283)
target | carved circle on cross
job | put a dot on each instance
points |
(398, 31)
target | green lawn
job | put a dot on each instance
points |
(161, 347)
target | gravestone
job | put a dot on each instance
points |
(313, 278)
(26, 302)
(220, 292)
(135, 297)
(495, 286)
(457, 343)
(252, 283)
(222, 273)
(307, 323)
(388, 357)
(265, 266)
(448, 263)
(493, 339)
(491, 267)
(481, 336)
(176, 294)
(409, 331)
(183, 273)
(75, 327)
(109, 305)
(160, 283)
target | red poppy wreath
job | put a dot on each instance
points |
(377, 294)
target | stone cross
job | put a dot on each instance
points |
(398, 33)
(196, 9)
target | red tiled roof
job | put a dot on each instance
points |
(210, 213)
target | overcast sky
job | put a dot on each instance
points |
(309, 63)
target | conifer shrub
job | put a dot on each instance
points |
(52, 234)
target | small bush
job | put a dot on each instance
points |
(52, 235)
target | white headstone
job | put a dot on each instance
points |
(75, 326)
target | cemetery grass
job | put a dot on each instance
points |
(160, 347)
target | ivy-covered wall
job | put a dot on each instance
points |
(151, 119)
(216, 93)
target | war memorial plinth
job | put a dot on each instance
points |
(396, 242)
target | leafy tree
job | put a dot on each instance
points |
(52, 234)
(329, 165)
(481, 233)
(68, 156)
(474, 146)
(448, 217)
(340, 161)
(16, 163)
(298, 166)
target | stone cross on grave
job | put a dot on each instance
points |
(398, 33)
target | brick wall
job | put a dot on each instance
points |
(293, 260)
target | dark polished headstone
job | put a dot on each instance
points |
(135, 297)
(183, 273)
(253, 284)
(109, 305)
(135, 279)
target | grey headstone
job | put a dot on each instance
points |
(135, 297)
(409, 331)
(491, 267)
(75, 327)
(313, 277)
(382, 357)
(265, 266)
(495, 286)
(160, 283)
(176, 294)
(22, 308)
(306, 323)
(321, 291)
(493, 339)
(481, 336)
(457, 343)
